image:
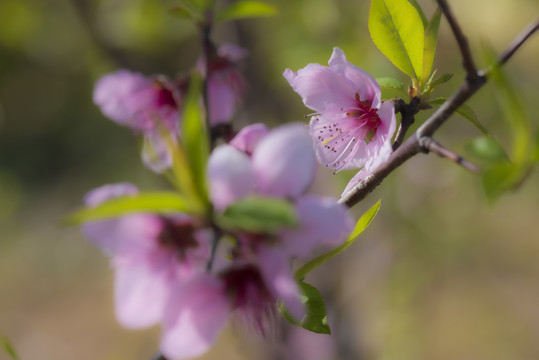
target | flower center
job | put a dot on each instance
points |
(366, 117)
(178, 236)
(246, 288)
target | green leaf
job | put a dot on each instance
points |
(466, 112)
(488, 149)
(195, 137)
(396, 29)
(499, 179)
(246, 9)
(189, 9)
(431, 85)
(316, 319)
(431, 39)
(6, 344)
(259, 215)
(424, 19)
(361, 225)
(390, 83)
(154, 202)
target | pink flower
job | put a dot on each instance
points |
(353, 127)
(225, 83)
(151, 255)
(280, 164)
(146, 105)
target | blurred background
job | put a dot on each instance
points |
(440, 274)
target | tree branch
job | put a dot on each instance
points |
(413, 145)
(467, 59)
(519, 40)
(431, 145)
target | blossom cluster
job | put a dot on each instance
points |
(187, 272)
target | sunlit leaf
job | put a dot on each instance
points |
(465, 111)
(390, 83)
(6, 344)
(316, 319)
(259, 215)
(488, 149)
(361, 225)
(195, 137)
(154, 202)
(424, 19)
(431, 39)
(246, 9)
(433, 84)
(396, 29)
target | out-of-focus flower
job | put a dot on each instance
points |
(151, 255)
(226, 85)
(278, 164)
(352, 127)
(149, 106)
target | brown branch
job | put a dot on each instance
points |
(412, 146)
(467, 59)
(407, 112)
(429, 144)
(518, 41)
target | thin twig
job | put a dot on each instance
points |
(411, 147)
(467, 59)
(518, 41)
(429, 144)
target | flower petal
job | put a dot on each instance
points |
(248, 137)
(109, 191)
(322, 222)
(195, 315)
(156, 155)
(140, 293)
(284, 162)
(321, 88)
(230, 175)
(363, 83)
(276, 270)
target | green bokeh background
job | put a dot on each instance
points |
(440, 274)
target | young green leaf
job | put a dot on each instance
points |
(431, 39)
(195, 137)
(500, 179)
(361, 225)
(465, 111)
(245, 9)
(6, 344)
(258, 215)
(396, 29)
(487, 148)
(431, 85)
(154, 202)
(390, 83)
(424, 19)
(316, 319)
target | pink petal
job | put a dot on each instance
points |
(248, 137)
(117, 94)
(230, 175)
(156, 154)
(363, 83)
(130, 234)
(109, 191)
(322, 222)
(276, 270)
(194, 317)
(222, 98)
(140, 294)
(321, 88)
(388, 121)
(284, 162)
(232, 52)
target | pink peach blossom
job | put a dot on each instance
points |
(352, 127)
